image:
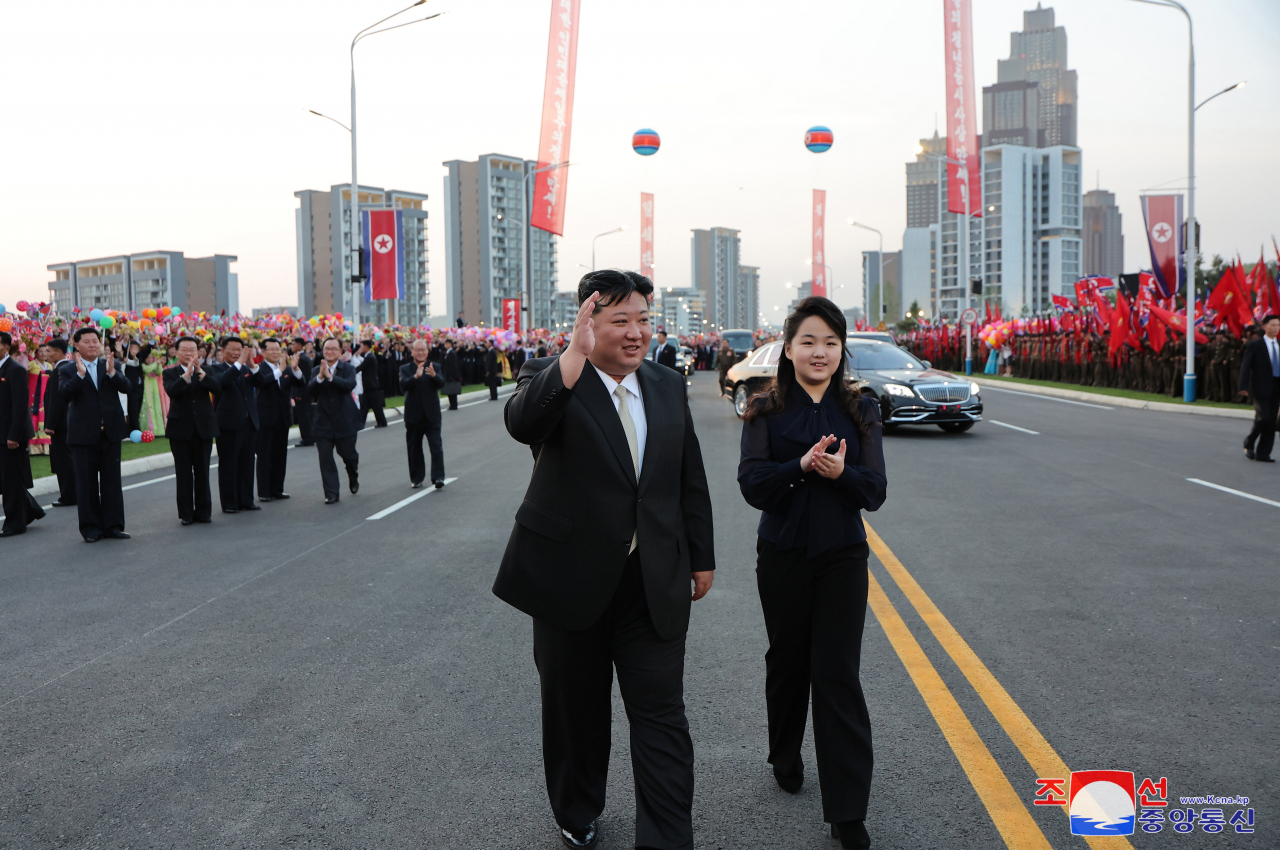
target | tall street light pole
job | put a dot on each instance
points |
(597, 236)
(357, 252)
(526, 289)
(866, 305)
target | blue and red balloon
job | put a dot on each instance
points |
(645, 142)
(818, 139)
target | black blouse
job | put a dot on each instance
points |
(804, 509)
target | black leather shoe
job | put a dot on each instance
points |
(12, 533)
(852, 835)
(790, 784)
(585, 838)
(1248, 452)
(61, 504)
(417, 485)
(332, 501)
(252, 508)
(118, 535)
(355, 483)
(264, 498)
(231, 510)
(439, 484)
(204, 519)
(188, 522)
(279, 495)
(93, 539)
(1266, 460)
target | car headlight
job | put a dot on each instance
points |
(898, 389)
(974, 389)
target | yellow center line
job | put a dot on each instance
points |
(1015, 824)
(1044, 760)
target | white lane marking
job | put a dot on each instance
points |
(1234, 492)
(154, 481)
(1048, 398)
(410, 500)
(1014, 427)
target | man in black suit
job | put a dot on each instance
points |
(1260, 378)
(663, 354)
(370, 387)
(460, 322)
(421, 383)
(134, 354)
(492, 371)
(279, 374)
(302, 398)
(334, 426)
(15, 462)
(614, 525)
(237, 410)
(191, 428)
(91, 387)
(452, 373)
(55, 425)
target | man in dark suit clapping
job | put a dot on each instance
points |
(237, 425)
(96, 425)
(191, 428)
(421, 383)
(55, 425)
(334, 425)
(613, 529)
(279, 375)
(15, 463)
(1260, 378)
(302, 398)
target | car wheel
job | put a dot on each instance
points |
(740, 396)
(955, 427)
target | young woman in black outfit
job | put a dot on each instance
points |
(812, 460)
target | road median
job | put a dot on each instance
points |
(1112, 400)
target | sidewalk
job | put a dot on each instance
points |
(49, 483)
(1111, 400)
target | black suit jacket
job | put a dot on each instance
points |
(305, 365)
(667, 356)
(15, 415)
(273, 395)
(335, 412)
(55, 408)
(91, 413)
(1255, 370)
(190, 404)
(236, 406)
(369, 377)
(452, 369)
(573, 531)
(421, 395)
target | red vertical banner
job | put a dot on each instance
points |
(511, 315)
(551, 187)
(963, 180)
(819, 283)
(646, 235)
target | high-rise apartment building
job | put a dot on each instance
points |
(680, 311)
(1103, 238)
(731, 290)
(323, 225)
(1037, 54)
(484, 210)
(564, 310)
(133, 282)
(884, 296)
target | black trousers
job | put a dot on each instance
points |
(493, 390)
(191, 469)
(20, 507)
(413, 434)
(135, 407)
(1264, 422)
(235, 468)
(99, 499)
(60, 463)
(302, 411)
(371, 400)
(814, 611)
(576, 671)
(453, 402)
(273, 457)
(346, 447)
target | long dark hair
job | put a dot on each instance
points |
(774, 398)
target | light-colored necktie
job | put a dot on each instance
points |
(633, 443)
(1275, 362)
(92, 371)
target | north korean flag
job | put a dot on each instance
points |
(383, 254)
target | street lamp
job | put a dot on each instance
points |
(866, 305)
(597, 236)
(830, 277)
(356, 277)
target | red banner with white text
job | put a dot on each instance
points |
(964, 178)
(646, 235)
(551, 187)
(511, 315)
(819, 284)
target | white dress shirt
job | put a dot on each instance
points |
(635, 406)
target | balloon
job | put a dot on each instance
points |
(818, 139)
(148, 436)
(175, 314)
(148, 313)
(645, 142)
(96, 314)
(107, 322)
(22, 306)
(6, 324)
(313, 321)
(2, 310)
(165, 311)
(144, 323)
(135, 436)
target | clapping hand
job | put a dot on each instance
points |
(431, 370)
(324, 370)
(293, 362)
(80, 367)
(111, 362)
(830, 465)
(818, 448)
(189, 371)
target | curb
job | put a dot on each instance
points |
(48, 484)
(1112, 401)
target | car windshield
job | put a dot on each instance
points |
(740, 340)
(872, 356)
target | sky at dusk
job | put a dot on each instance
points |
(134, 126)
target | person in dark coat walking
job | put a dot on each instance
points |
(20, 508)
(238, 424)
(302, 408)
(334, 426)
(191, 428)
(422, 381)
(452, 374)
(371, 397)
(1260, 379)
(55, 425)
(492, 371)
(279, 376)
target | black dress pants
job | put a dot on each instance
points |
(60, 463)
(413, 434)
(814, 611)
(191, 469)
(20, 507)
(302, 409)
(576, 672)
(1263, 433)
(273, 457)
(371, 400)
(346, 447)
(235, 468)
(99, 498)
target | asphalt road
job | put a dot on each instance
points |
(307, 676)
